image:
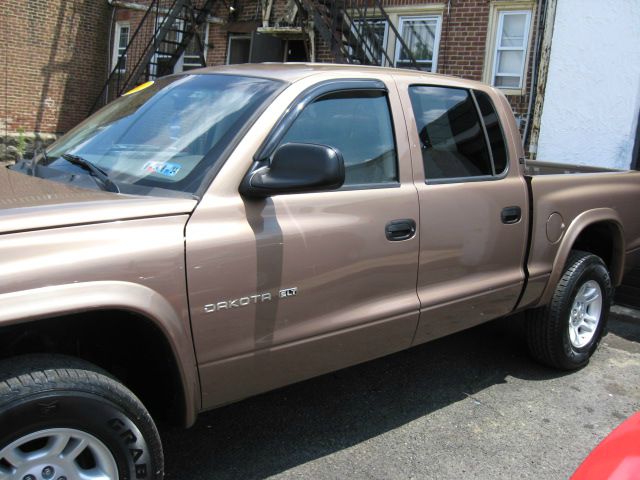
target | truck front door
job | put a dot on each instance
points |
(292, 286)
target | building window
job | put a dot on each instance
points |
(422, 37)
(121, 40)
(191, 58)
(419, 25)
(510, 51)
(373, 32)
(162, 59)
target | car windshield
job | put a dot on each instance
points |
(163, 137)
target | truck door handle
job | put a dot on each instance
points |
(403, 229)
(511, 215)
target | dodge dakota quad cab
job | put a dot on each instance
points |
(231, 230)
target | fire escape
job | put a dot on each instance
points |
(165, 32)
(354, 31)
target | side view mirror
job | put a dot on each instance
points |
(296, 168)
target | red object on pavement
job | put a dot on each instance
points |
(617, 457)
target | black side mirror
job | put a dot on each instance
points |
(296, 168)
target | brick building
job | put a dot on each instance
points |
(54, 61)
(60, 53)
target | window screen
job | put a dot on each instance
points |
(358, 124)
(451, 137)
(494, 131)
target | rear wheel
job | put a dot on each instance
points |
(565, 333)
(61, 418)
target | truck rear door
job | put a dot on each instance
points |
(473, 206)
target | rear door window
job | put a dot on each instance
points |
(452, 138)
(358, 124)
(494, 131)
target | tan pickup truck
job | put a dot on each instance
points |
(228, 231)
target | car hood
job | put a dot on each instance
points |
(617, 457)
(30, 203)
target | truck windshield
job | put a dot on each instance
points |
(166, 136)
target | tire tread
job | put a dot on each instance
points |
(28, 375)
(545, 325)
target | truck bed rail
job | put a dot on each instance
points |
(537, 167)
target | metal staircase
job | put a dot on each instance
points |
(354, 31)
(167, 29)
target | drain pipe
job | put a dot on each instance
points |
(534, 74)
(110, 44)
(533, 133)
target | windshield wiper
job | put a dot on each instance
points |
(98, 173)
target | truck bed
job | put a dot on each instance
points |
(566, 198)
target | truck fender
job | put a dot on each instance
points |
(56, 300)
(577, 226)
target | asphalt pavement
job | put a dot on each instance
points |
(469, 406)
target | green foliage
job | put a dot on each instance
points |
(22, 142)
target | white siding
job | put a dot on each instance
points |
(592, 96)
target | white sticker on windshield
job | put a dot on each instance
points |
(165, 169)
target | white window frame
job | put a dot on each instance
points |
(496, 35)
(385, 36)
(205, 42)
(116, 44)
(179, 23)
(406, 11)
(436, 40)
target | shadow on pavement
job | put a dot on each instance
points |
(625, 327)
(276, 431)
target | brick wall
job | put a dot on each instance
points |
(55, 60)
(217, 52)
(463, 43)
(463, 46)
(463, 39)
(58, 52)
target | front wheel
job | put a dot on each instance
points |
(565, 333)
(62, 418)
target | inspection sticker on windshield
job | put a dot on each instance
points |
(166, 169)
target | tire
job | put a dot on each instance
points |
(78, 417)
(553, 335)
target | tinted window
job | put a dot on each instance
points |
(494, 131)
(451, 137)
(358, 124)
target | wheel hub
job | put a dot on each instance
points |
(585, 315)
(57, 454)
(48, 472)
